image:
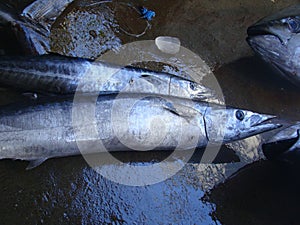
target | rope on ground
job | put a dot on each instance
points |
(144, 13)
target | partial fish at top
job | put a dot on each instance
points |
(276, 39)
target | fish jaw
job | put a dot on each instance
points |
(223, 125)
(277, 29)
(279, 56)
(268, 41)
(268, 47)
(258, 124)
(276, 24)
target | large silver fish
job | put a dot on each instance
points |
(64, 75)
(121, 123)
(276, 39)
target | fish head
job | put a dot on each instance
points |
(229, 124)
(276, 39)
(193, 89)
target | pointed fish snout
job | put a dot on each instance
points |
(258, 119)
(258, 123)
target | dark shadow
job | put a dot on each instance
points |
(264, 192)
(250, 83)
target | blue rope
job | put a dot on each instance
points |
(146, 13)
(143, 11)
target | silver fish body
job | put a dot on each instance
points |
(276, 39)
(121, 123)
(64, 75)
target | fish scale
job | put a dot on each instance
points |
(65, 75)
(276, 39)
(126, 122)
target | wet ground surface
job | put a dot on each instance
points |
(67, 190)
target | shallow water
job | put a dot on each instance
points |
(67, 190)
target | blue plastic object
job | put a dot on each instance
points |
(147, 14)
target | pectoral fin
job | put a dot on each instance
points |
(181, 110)
(35, 163)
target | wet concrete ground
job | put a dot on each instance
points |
(67, 190)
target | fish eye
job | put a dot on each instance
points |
(239, 114)
(192, 86)
(294, 25)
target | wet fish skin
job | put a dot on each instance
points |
(66, 75)
(276, 39)
(123, 123)
(32, 26)
(285, 141)
(45, 11)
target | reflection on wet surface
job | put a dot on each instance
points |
(71, 192)
(67, 190)
(86, 33)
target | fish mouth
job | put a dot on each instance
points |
(277, 29)
(261, 122)
(260, 30)
(257, 30)
(268, 45)
(275, 24)
(270, 48)
(274, 53)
